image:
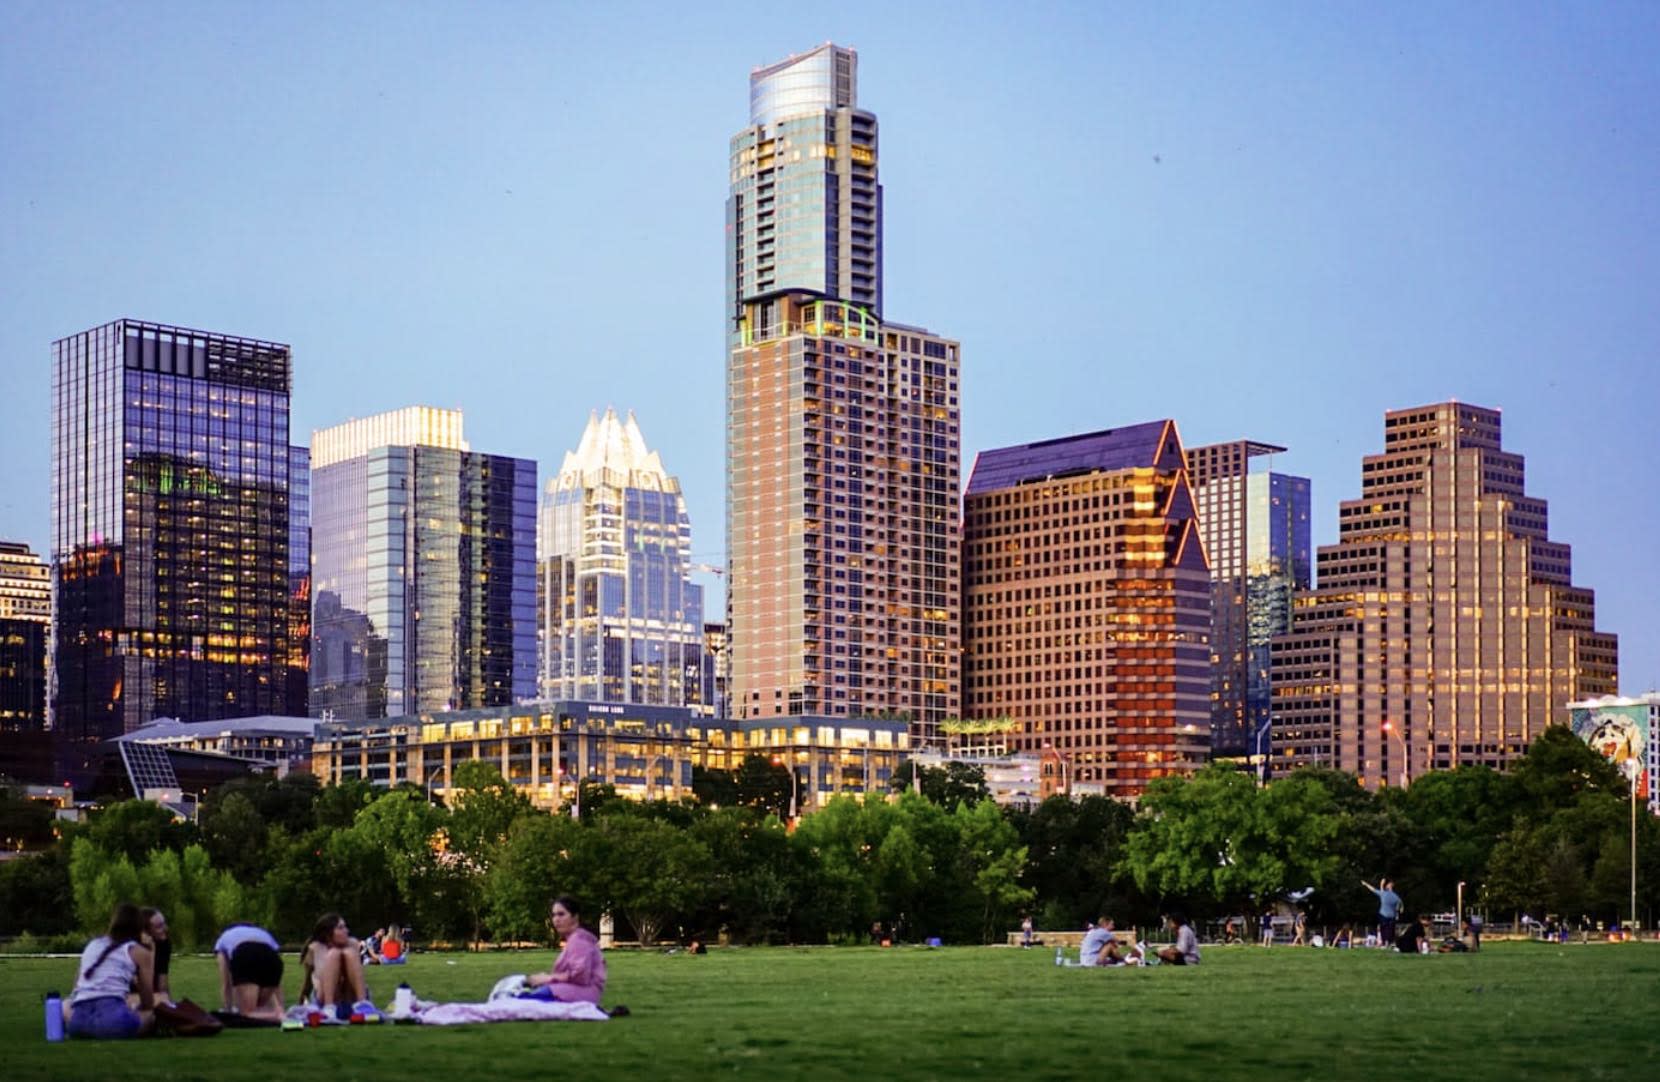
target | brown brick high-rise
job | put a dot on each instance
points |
(1086, 611)
(1445, 629)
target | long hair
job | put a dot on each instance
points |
(126, 926)
(323, 931)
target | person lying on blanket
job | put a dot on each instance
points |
(578, 974)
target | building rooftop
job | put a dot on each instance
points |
(1125, 448)
(171, 729)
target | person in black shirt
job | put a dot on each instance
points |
(156, 938)
(1416, 933)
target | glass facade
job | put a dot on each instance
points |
(621, 620)
(423, 582)
(1255, 525)
(805, 209)
(171, 528)
(25, 615)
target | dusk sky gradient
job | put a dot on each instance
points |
(1271, 221)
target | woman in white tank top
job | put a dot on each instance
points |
(111, 965)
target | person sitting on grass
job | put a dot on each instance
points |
(391, 947)
(1185, 950)
(1415, 939)
(1095, 942)
(332, 967)
(1345, 937)
(161, 948)
(368, 951)
(250, 973)
(578, 974)
(110, 965)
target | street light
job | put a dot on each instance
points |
(1458, 909)
(778, 760)
(1389, 727)
(437, 770)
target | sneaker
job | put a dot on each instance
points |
(619, 1011)
(365, 1011)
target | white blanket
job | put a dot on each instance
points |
(509, 1010)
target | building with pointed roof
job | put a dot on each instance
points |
(620, 619)
(1086, 612)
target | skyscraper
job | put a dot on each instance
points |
(170, 533)
(1445, 629)
(424, 576)
(621, 620)
(805, 211)
(1086, 617)
(1256, 529)
(843, 457)
(25, 617)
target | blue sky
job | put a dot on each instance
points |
(1271, 221)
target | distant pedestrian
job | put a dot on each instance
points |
(1472, 931)
(1026, 930)
(1266, 923)
(1389, 908)
(1300, 930)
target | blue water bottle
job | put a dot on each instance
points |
(54, 1017)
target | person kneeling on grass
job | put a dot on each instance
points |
(110, 965)
(1185, 951)
(333, 968)
(578, 974)
(250, 972)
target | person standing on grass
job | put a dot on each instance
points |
(1389, 908)
(250, 972)
(1267, 925)
(111, 964)
(1185, 951)
(578, 974)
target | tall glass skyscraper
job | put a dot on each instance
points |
(1256, 531)
(805, 210)
(424, 577)
(621, 620)
(171, 529)
(843, 456)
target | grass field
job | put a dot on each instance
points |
(1513, 1012)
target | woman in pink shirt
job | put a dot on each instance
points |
(578, 974)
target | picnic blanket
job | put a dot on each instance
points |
(509, 1010)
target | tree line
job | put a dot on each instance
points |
(1548, 837)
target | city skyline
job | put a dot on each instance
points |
(1314, 220)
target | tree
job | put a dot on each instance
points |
(763, 784)
(132, 828)
(949, 785)
(36, 895)
(530, 864)
(234, 834)
(25, 824)
(713, 787)
(1073, 852)
(994, 859)
(644, 870)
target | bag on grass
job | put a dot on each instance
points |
(186, 1019)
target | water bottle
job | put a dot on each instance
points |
(1060, 957)
(54, 1017)
(403, 1001)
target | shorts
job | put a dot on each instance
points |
(1386, 929)
(107, 1017)
(256, 963)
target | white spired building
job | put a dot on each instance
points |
(620, 619)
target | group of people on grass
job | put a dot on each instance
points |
(1102, 947)
(123, 976)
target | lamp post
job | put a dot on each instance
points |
(1458, 909)
(1389, 727)
(778, 760)
(433, 773)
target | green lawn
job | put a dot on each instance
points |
(1513, 1012)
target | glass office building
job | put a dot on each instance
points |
(1256, 530)
(621, 620)
(843, 429)
(423, 582)
(25, 615)
(171, 529)
(805, 209)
